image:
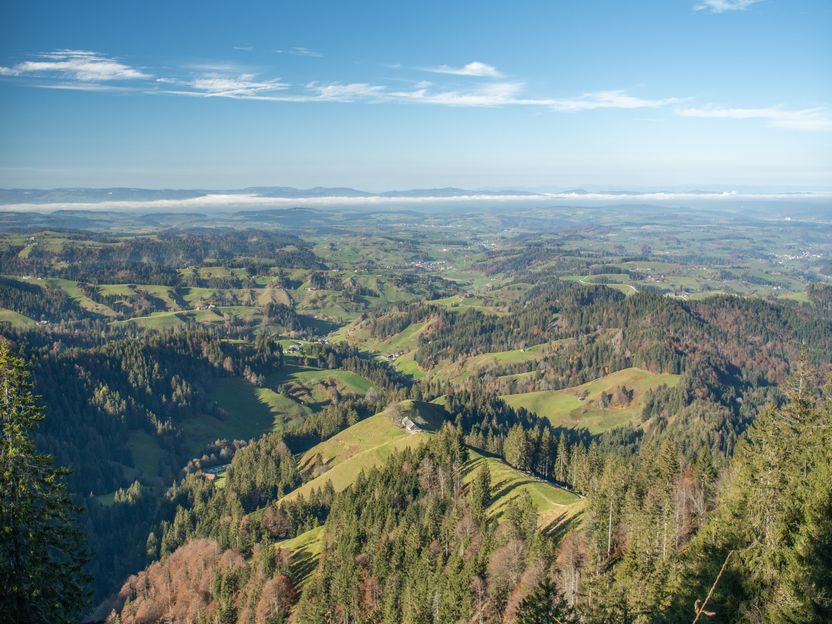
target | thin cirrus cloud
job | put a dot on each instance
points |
(475, 68)
(244, 85)
(606, 100)
(495, 94)
(300, 51)
(80, 65)
(721, 6)
(807, 119)
(487, 95)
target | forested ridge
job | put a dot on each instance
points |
(407, 542)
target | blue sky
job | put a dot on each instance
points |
(382, 95)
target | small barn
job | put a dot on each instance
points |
(410, 426)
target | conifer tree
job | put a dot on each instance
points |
(41, 546)
(545, 605)
(480, 493)
(773, 516)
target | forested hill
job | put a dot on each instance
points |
(411, 541)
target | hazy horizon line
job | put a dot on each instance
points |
(242, 200)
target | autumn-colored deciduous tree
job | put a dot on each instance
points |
(177, 589)
(275, 601)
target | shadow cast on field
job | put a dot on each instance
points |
(558, 527)
(504, 488)
(303, 564)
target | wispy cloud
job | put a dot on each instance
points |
(491, 95)
(93, 87)
(488, 95)
(244, 48)
(244, 85)
(721, 6)
(471, 69)
(807, 119)
(300, 51)
(607, 100)
(83, 70)
(81, 65)
(339, 92)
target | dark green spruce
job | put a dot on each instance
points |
(41, 547)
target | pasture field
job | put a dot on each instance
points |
(74, 292)
(565, 408)
(15, 319)
(356, 334)
(365, 444)
(405, 342)
(170, 320)
(310, 376)
(408, 365)
(460, 303)
(249, 411)
(465, 368)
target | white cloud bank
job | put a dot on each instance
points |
(607, 99)
(249, 201)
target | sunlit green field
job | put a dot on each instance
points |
(564, 408)
(364, 445)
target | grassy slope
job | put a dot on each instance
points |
(464, 368)
(250, 412)
(306, 550)
(564, 408)
(409, 366)
(308, 375)
(167, 320)
(356, 334)
(74, 291)
(145, 452)
(15, 319)
(553, 504)
(406, 342)
(364, 445)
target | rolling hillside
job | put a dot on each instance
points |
(364, 445)
(582, 406)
